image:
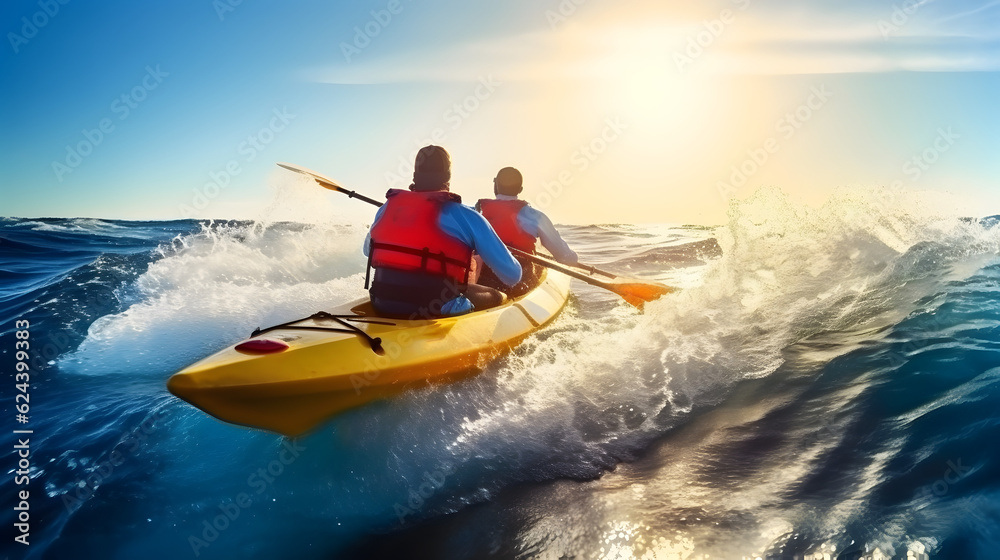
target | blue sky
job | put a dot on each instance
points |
(657, 106)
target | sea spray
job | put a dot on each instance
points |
(213, 287)
(599, 389)
(789, 387)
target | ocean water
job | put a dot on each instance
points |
(825, 385)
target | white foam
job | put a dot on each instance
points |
(591, 386)
(790, 271)
(214, 287)
(787, 272)
(75, 225)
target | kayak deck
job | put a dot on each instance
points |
(335, 361)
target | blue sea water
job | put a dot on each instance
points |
(825, 385)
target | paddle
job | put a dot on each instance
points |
(328, 183)
(635, 292)
(592, 270)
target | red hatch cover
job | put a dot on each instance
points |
(261, 346)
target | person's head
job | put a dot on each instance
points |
(432, 169)
(508, 181)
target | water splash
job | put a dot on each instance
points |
(213, 287)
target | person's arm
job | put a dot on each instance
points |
(368, 236)
(466, 224)
(535, 222)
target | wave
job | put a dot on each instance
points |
(807, 396)
(213, 287)
(72, 225)
(786, 273)
(780, 291)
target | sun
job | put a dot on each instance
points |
(637, 74)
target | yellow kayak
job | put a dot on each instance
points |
(289, 378)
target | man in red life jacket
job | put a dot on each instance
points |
(421, 245)
(519, 226)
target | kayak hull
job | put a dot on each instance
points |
(327, 367)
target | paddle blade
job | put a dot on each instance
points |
(328, 183)
(638, 293)
(323, 180)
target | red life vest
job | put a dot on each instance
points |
(502, 215)
(408, 237)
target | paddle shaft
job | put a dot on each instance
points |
(628, 291)
(560, 267)
(352, 194)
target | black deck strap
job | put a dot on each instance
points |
(363, 319)
(375, 343)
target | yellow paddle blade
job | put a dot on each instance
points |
(328, 183)
(638, 293)
(323, 180)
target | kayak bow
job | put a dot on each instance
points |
(289, 378)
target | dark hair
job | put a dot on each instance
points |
(509, 181)
(431, 170)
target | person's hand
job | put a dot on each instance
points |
(475, 269)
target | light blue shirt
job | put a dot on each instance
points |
(470, 227)
(535, 222)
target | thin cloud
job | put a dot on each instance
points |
(594, 44)
(509, 56)
(969, 12)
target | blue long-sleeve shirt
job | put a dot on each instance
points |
(470, 227)
(535, 222)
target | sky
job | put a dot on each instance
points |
(615, 112)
